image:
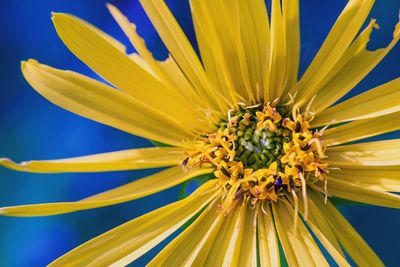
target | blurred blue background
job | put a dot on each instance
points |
(32, 128)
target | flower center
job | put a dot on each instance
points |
(260, 154)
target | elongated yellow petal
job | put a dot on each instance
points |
(377, 153)
(379, 101)
(382, 178)
(116, 67)
(291, 19)
(218, 249)
(321, 223)
(167, 71)
(245, 251)
(136, 189)
(323, 232)
(181, 82)
(362, 129)
(299, 247)
(352, 242)
(180, 48)
(130, 31)
(183, 250)
(267, 240)
(127, 242)
(218, 26)
(360, 194)
(254, 29)
(277, 60)
(130, 159)
(99, 102)
(354, 65)
(335, 45)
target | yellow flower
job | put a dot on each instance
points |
(239, 115)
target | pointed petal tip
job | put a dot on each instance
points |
(110, 6)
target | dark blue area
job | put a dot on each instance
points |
(32, 128)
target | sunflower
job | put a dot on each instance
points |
(271, 149)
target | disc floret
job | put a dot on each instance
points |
(260, 154)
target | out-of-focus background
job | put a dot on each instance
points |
(32, 128)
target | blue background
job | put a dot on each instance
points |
(32, 128)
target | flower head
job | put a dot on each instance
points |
(273, 148)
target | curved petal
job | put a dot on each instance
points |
(131, 159)
(291, 18)
(245, 249)
(134, 190)
(139, 44)
(357, 193)
(182, 51)
(355, 64)
(99, 102)
(224, 34)
(267, 240)
(324, 233)
(379, 153)
(299, 247)
(335, 45)
(351, 241)
(125, 243)
(167, 71)
(381, 178)
(277, 59)
(116, 67)
(183, 249)
(376, 102)
(218, 248)
(361, 129)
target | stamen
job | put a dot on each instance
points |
(326, 191)
(296, 210)
(304, 191)
(262, 208)
(261, 153)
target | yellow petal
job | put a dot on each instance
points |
(299, 247)
(125, 243)
(218, 26)
(377, 153)
(99, 102)
(130, 159)
(183, 249)
(362, 129)
(335, 45)
(321, 229)
(291, 18)
(382, 178)
(181, 50)
(181, 82)
(167, 71)
(245, 250)
(134, 190)
(130, 31)
(219, 247)
(355, 64)
(116, 67)
(277, 60)
(267, 240)
(351, 241)
(254, 29)
(379, 101)
(346, 190)
(321, 223)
